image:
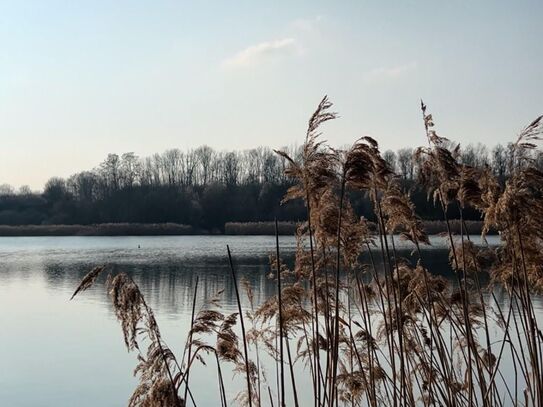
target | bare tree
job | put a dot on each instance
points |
(474, 156)
(110, 171)
(271, 167)
(83, 185)
(55, 189)
(499, 161)
(24, 190)
(156, 167)
(6, 189)
(189, 167)
(231, 168)
(251, 166)
(130, 169)
(204, 158)
(390, 157)
(171, 163)
(405, 163)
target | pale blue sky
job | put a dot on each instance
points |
(80, 79)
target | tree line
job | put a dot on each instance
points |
(204, 188)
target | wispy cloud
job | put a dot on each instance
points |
(390, 72)
(306, 24)
(259, 53)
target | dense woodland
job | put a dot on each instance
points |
(203, 188)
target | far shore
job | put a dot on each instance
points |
(103, 229)
(175, 229)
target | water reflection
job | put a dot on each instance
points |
(167, 267)
(168, 286)
(51, 343)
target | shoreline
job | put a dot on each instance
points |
(104, 229)
(175, 229)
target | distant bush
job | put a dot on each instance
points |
(259, 228)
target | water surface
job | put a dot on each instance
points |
(56, 352)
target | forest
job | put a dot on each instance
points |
(205, 188)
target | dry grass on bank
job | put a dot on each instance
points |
(259, 228)
(103, 229)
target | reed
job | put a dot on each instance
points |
(280, 320)
(400, 335)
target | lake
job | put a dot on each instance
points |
(56, 352)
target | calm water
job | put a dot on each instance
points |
(54, 352)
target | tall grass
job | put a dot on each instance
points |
(400, 336)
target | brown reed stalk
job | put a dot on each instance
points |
(191, 330)
(243, 335)
(335, 352)
(280, 316)
(433, 141)
(291, 368)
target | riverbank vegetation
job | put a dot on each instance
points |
(399, 335)
(174, 229)
(206, 189)
(104, 229)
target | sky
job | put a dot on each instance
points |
(81, 79)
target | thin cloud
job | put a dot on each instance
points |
(259, 53)
(391, 72)
(306, 24)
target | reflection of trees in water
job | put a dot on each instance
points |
(168, 286)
